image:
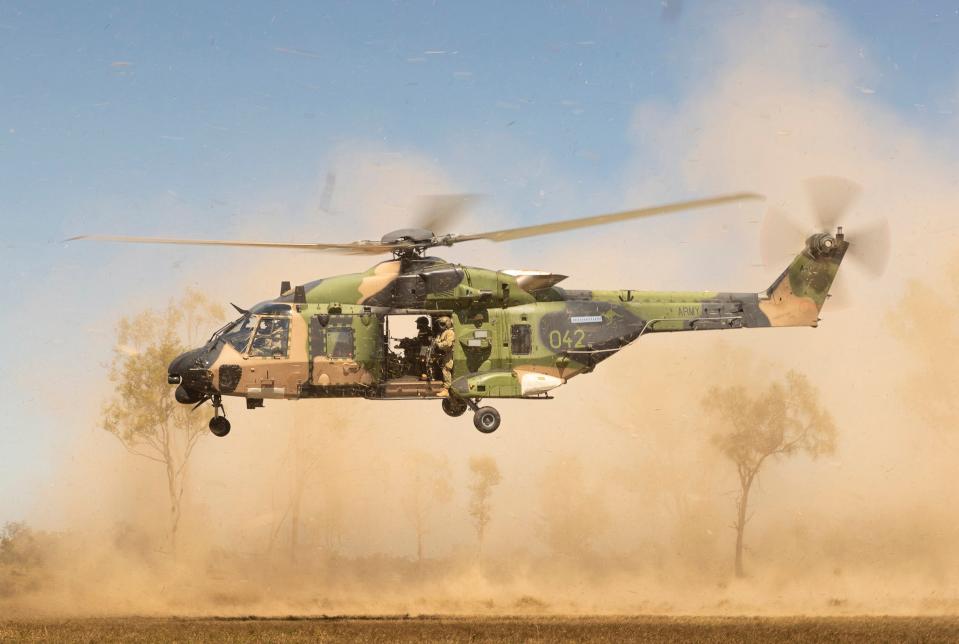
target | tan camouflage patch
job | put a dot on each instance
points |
(383, 275)
(785, 308)
(335, 371)
(267, 377)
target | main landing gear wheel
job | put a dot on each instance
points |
(220, 426)
(486, 419)
(454, 407)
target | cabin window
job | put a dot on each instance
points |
(339, 341)
(272, 337)
(329, 338)
(521, 339)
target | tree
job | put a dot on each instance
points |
(18, 545)
(926, 321)
(306, 458)
(572, 514)
(198, 313)
(142, 413)
(485, 476)
(24, 559)
(782, 420)
(428, 485)
(314, 446)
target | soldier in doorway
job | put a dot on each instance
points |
(424, 331)
(443, 352)
(415, 350)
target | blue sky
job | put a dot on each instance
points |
(217, 105)
(174, 119)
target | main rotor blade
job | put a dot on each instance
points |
(357, 248)
(599, 220)
(439, 213)
(830, 198)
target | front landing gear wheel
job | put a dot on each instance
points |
(220, 426)
(454, 407)
(486, 419)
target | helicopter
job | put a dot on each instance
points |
(517, 333)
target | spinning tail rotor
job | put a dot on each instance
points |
(831, 199)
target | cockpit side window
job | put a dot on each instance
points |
(271, 338)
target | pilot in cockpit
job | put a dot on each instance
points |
(269, 338)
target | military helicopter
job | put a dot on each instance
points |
(517, 333)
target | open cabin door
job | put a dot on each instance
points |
(411, 370)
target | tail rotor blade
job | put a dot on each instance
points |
(870, 248)
(779, 237)
(831, 197)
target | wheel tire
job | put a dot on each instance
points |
(454, 407)
(220, 426)
(486, 419)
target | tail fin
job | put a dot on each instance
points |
(798, 295)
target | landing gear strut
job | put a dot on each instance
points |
(219, 425)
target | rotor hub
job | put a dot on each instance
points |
(821, 244)
(408, 235)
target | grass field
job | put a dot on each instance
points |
(485, 629)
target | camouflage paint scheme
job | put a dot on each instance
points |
(518, 334)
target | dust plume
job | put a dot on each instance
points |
(612, 499)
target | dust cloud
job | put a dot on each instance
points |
(613, 498)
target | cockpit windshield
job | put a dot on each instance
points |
(238, 333)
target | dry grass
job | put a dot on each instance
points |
(504, 629)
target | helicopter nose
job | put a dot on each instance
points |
(189, 371)
(181, 365)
